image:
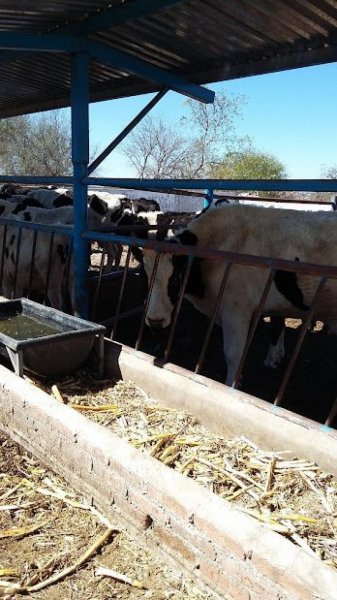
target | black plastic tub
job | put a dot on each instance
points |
(47, 341)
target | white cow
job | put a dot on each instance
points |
(293, 235)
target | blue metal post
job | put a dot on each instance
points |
(80, 158)
(208, 197)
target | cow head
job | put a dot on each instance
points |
(168, 280)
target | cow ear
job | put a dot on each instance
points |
(187, 238)
(98, 205)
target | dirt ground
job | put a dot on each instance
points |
(313, 384)
(46, 528)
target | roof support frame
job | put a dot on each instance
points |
(104, 53)
(121, 136)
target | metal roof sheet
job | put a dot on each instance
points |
(204, 40)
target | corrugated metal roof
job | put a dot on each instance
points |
(205, 40)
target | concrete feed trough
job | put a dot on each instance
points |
(45, 340)
(224, 549)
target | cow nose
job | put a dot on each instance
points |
(156, 323)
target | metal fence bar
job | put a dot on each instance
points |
(177, 308)
(282, 185)
(32, 262)
(305, 324)
(3, 254)
(218, 255)
(150, 288)
(253, 326)
(18, 247)
(332, 414)
(121, 292)
(98, 285)
(50, 252)
(212, 319)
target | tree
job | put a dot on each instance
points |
(36, 145)
(249, 164)
(159, 150)
(331, 172)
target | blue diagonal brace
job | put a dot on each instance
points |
(135, 66)
(120, 137)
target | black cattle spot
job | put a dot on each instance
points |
(2, 209)
(98, 205)
(63, 200)
(187, 238)
(32, 202)
(195, 285)
(27, 216)
(286, 283)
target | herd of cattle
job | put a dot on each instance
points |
(39, 267)
(297, 235)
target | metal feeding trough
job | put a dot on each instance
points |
(45, 340)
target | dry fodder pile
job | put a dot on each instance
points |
(293, 497)
(54, 546)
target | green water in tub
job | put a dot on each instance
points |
(23, 327)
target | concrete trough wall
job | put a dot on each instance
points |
(201, 533)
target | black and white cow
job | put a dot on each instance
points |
(248, 230)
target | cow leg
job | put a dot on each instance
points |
(235, 327)
(276, 350)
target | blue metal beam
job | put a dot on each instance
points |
(80, 157)
(140, 68)
(117, 15)
(286, 185)
(56, 42)
(126, 131)
(42, 179)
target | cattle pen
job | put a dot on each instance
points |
(60, 55)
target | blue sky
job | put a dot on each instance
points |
(292, 114)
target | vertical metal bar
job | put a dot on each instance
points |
(3, 254)
(100, 351)
(151, 284)
(80, 157)
(177, 308)
(332, 414)
(208, 198)
(120, 137)
(67, 273)
(50, 254)
(32, 261)
(305, 323)
(120, 296)
(212, 320)
(253, 326)
(18, 247)
(98, 285)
